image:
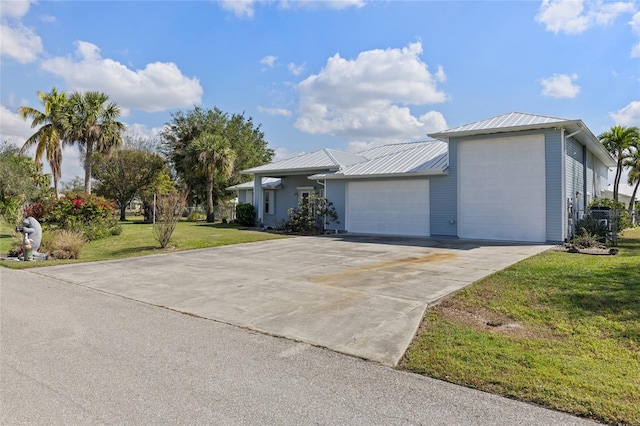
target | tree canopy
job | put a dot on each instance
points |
(125, 174)
(48, 139)
(620, 142)
(242, 136)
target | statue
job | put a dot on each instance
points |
(32, 238)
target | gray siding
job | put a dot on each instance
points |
(286, 197)
(575, 176)
(336, 193)
(553, 180)
(443, 203)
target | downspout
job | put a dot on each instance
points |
(324, 195)
(563, 183)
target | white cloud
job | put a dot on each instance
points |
(283, 153)
(14, 128)
(560, 86)
(268, 60)
(366, 99)
(275, 111)
(159, 86)
(572, 17)
(628, 115)
(316, 4)
(14, 8)
(240, 8)
(295, 69)
(19, 42)
(246, 8)
(635, 27)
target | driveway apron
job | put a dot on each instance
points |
(360, 295)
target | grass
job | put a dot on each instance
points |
(137, 239)
(561, 330)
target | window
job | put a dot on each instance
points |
(249, 196)
(268, 201)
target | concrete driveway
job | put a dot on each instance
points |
(360, 295)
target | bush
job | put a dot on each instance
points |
(592, 226)
(169, 210)
(196, 216)
(246, 214)
(312, 214)
(63, 244)
(622, 219)
(91, 215)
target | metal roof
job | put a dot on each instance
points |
(317, 160)
(394, 148)
(267, 182)
(518, 121)
(503, 122)
(424, 158)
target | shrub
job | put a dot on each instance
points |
(91, 215)
(169, 210)
(63, 244)
(11, 210)
(246, 214)
(196, 216)
(622, 218)
(312, 214)
(592, 226)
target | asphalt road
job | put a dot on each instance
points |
(73, 355)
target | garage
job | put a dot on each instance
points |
(501, 188)
(388, 207)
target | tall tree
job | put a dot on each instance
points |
(216, 159)
(633, 161)
(91, 121)
(618, 141)
(125, 173)
(48, 139)
(244, 137)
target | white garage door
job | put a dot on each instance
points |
(501, 189)
(399, 207)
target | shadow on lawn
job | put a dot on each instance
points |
(612, 292)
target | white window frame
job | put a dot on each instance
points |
(268, 198)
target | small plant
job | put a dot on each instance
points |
(169, 209)
(594, 227)
(63, 244)
(196, 217)
(312, 213)
(246, 214)
(585, 240)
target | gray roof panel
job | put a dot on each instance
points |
(322, 159)
(503, 122)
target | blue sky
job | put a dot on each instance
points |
(326, 74)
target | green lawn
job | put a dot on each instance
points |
(137, 239)
(558, 329)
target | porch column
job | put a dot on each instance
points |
(257, 198)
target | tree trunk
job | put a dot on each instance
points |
(87, 167)
(55, 185)
(123, 212)
(210, 213)
(633, 196)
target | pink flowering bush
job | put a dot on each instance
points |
(92, 215)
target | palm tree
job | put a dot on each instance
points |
(91, 122)
(48, 138)
(618, 141)
(214, 155)
(633, 161)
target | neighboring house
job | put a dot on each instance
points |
(515, 177)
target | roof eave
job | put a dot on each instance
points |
(288, 172)
(445, 135)
(432, 172)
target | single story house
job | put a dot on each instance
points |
(514, 177)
